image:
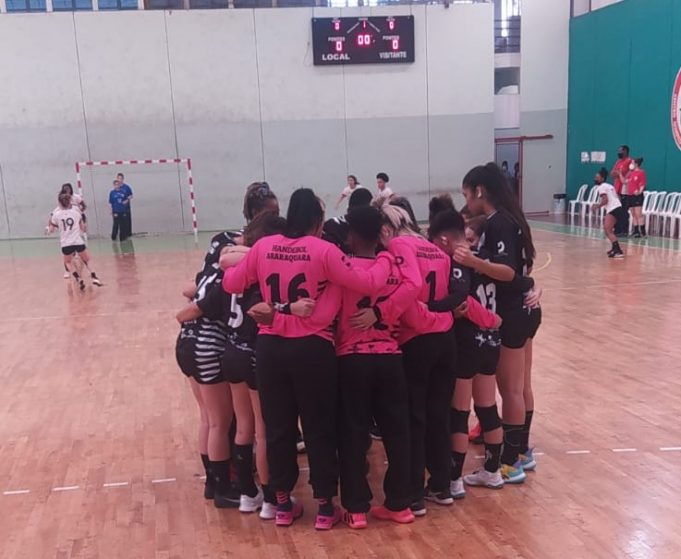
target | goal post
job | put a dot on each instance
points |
(187, 162)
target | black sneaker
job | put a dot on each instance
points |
(81, 285)
(636, 235)
(618, 254)
(230, 500)
(96, 281)
(440, 498)
(611, 253)
(418, 508)
(209, 489)
(375, 433)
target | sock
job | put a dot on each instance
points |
(616, 246)
(525, 439)
(492, 457)
(220, 470)
(93, 275)
(512, 435)
(326, 506)
(206, 467)
(457, 464)
(643, 230)
(284, 501)
(243, 463)
(270, 496)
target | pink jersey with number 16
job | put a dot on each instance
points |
(288, 269)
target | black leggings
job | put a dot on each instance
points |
(299, 377)
(429, 363)
(373, 386)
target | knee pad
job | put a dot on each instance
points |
(458, 421)
(489, 418)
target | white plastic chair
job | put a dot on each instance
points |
(656, 208)
(589, 202)
(670, 209)
(675, 220)
(581, 193)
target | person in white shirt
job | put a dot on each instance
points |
(353, 184)
(384, 191)
(77, 202)
(608, 199)
(69, 221)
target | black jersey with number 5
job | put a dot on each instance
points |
(242, 329)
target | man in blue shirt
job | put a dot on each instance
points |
(127, 231)
(119, 210)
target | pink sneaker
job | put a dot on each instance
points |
(286, 517)
(404, 516)
(324, 522)
(356, 520)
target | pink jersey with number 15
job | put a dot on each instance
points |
(288, 269)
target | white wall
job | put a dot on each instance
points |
(543, 100)
(237, 92)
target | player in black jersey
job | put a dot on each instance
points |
(336, 229)
(478, 345)
(507, 242)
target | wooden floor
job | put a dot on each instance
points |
(97, 426)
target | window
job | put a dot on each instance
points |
(164, 4)
(207, 4)
(71, 5)
(26, 5)
(117, 4)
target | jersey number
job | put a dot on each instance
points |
(236, 315)
(487, 294)
(67, 223)
(365, 303)
(295, 292)
(430, 280)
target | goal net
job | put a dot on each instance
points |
(163, 194)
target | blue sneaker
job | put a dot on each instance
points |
(513, 474)
(528, 461)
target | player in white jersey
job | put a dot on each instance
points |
(78, 203)
(608, 199)
(69, 221)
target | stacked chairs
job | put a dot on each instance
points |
(574, 204)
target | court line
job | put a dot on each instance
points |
(548, 263)
(16, 492)
(602, 286)
(577, 452)
(670, 448)
(164, 480)
(624, 449)
(115, 484)
(61, 317)
(65, 488)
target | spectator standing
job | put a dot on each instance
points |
(119, 211)
(384, 191)
(619, 174)
(634, 186)
(128, 197)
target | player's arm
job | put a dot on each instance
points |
(243, 275)
(189, 312)
(81, 225)
(339, 269)
(340, 199)
(602, 204)
(479, 315)
(230, 256)
(459, 288)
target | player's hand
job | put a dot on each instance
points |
(262, 313)
(461, 310)
(303, 307)
(464, 256)
(533, 297)
(363, 319)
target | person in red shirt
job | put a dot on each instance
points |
(635, 185)
(619, 174)
(296, 363)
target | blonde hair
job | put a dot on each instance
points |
(399, 221)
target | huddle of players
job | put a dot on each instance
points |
(69, 219)
(346, 339)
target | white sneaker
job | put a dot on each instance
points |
(483, 478)
(67, 275)
(251, 504)
(457, 489)
(268, 511)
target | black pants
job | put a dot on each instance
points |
(373, 386)
(622, 225)
(429, 363)
(128, 224)
(299, 376)
(119, 226)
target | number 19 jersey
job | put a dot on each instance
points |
(68, 223)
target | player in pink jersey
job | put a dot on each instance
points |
(429, 358)
(296, 364)
(372, 385)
